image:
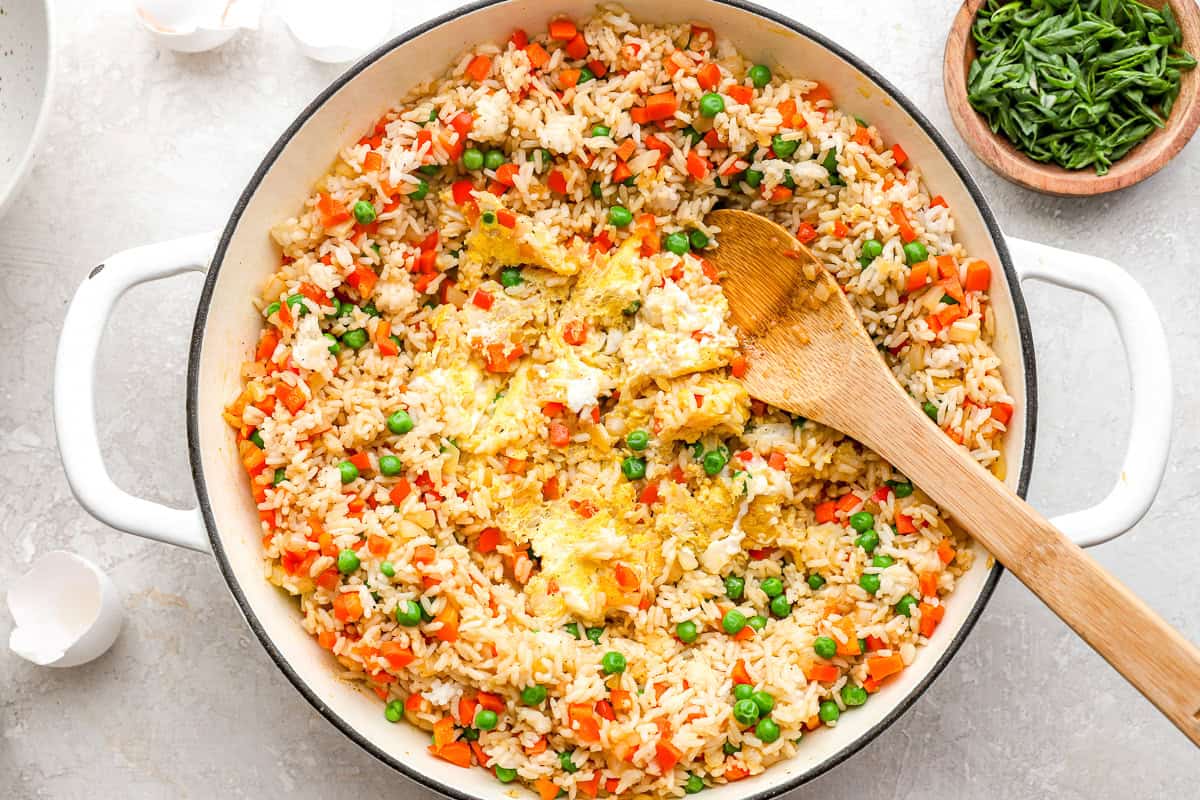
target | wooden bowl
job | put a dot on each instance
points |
(998, 153)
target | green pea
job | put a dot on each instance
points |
(692, 135)
(868, 541)
(745, 711)
(901, 488)
(390, 465)
(347, 562)
(772, 587)
(601, 130)
(533, 695)
(364, 212)
(470, 734)
(354, 339)
(279, 477)
(510, 277)
(863, 521)
(693, 784)
(638, 440)
(408, 613)
(760, 75)
(586, 75)
(743, 691)
(429, 169)
(488, 217)
(753, 178)
(335, 347)
(619, 216)
(729, 748)
(757, 622)
(388, 569)
(767, 731)
(505, 775)
(788, 181)
(764, 701)
(698, 239)
(257, 440)
(930, 410)
(567, 762)
(593, 634)
(394, 711)
(572, 628)
(677, 243)
(905, 606)
(815, 581)
(853, 695)
(831, 166)
(493, 159)
(686, 631)
(711, 104)
(733, 621)
(425, 615)
(780, 607)
(421, 190)
(882, 561)
(915, 253)
(297, 305)
(485, 719)
(735, 587)
(825, 647)
(871, 250)
(869, 582)
(632, 308)
(349, 472)
(400, 422)
(784, 148)
(613, 663)
(829, 711)
(472, 158)
(271, 310)
(597, 191)
(634, 468)
(714, 462)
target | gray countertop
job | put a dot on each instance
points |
(145, 145)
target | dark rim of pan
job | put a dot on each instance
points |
(268, 162)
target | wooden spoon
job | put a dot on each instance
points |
(809, 354)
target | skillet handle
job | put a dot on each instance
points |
(1145, 346)
(74, 391)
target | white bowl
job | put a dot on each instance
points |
(26, 76)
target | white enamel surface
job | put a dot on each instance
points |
(334, 33)
(26, 76)
(74, 391)
(1145, 345)
(194, 26)
(67, 611)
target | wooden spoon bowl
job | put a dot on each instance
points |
(999, 153)
(809, 354)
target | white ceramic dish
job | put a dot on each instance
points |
(227, 327)
(26, 80)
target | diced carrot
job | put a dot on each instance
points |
(918, 276)
(547, 789)
(735, 773)
(948, 315)
(563, 29)
(621, 172)
(850, 647)
(1002, 412)
(604, 710)
(739, 366)
(347, 606)
(506, 217)
(443, 731)
(538, 57)
(591, 787)
(905, 524)
(848, 502)
(378, 545)
(744, 634)
(660, 106)
(492, 702)
(822, 673)
(907, 233)
(979, 276)
(667, 755)
(928, 583)
(285, 316)
(741, 94)
(741, 674)
(482, 299)
(506, 174)
(448, 616)
(938, 201)
(363, 279)
(327, 639)
(457, 753)
(537, 747)
(778, 460)
(649, 494)
(638, 115)
(479, 67)
(583, 722)
(899, 154)
(818, 93)
(333, 212)
(560, 435)
(709, 76)
(787, 110)
(361, 462)
(266, 344)
(779, 194)
(568, 78)
(625, 577)
(881, 667)
(481, 757)
(826, 511)
(806, 233)
(840, 230)
(862, 136)
(945, 551)
(519, 38)
(931, 616)
(576, 48)
(575, 332)
(396, 654)
(598, 68)
(557, 182)
(461, 191)
(399, 491)
(697, 167)
(424, 554)
(622, 700)
(291, 396)
(372, 162)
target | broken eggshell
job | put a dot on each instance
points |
(194, 26)
(334, 33)
(67, 611)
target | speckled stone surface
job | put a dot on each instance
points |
(147, 145)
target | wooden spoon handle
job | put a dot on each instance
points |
(1137, 642)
